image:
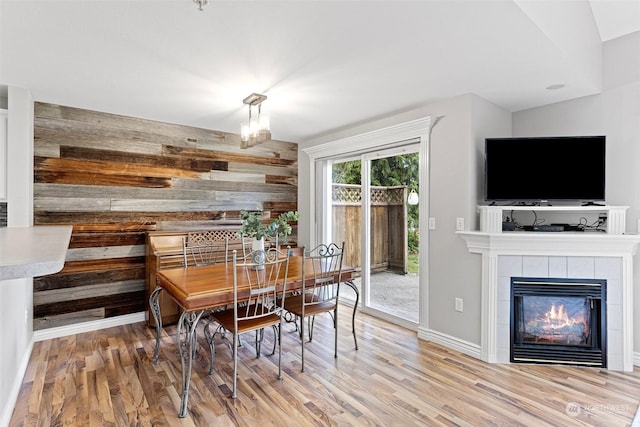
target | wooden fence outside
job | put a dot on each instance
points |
(389, 240)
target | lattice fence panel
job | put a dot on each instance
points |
(348, 194)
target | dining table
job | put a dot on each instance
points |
(200, 289)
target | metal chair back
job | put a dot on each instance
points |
(205, 248)
(322, 284)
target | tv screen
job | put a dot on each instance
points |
(545, 169)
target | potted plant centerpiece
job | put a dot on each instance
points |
(281, 228)
(255, 228)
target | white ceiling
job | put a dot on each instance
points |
(324, 65)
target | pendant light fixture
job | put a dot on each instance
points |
(258, 129)
(201, 4)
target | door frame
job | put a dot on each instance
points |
(418, 130)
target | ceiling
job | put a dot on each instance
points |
(324, 65)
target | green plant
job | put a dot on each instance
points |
(413, 241)
(413, 265)
(254, 227)
(281, 227)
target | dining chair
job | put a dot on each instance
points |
(259, 286)
(320, 290)
(204, 248)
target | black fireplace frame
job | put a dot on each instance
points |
(594, 355)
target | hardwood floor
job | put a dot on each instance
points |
(107, 378)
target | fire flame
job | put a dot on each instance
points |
(557, 317)
(558, 325)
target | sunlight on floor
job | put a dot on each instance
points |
(393, 293)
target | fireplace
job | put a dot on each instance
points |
(558, 321)
(552, 255)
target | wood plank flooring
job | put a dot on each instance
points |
(107, 378)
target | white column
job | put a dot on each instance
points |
(489, 321)
(20, 158)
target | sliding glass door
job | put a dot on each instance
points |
(370, 210)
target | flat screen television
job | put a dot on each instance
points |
(567, 169)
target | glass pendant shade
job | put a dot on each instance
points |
(264, 121)
(245, 132)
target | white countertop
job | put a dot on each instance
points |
(33, 251)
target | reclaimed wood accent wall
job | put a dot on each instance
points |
(114, 177)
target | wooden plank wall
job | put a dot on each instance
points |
(113, 177)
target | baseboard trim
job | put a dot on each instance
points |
(12, 398)
(94, 325)
(448, 341)
(474, 349)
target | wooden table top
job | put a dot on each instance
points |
(211, 286)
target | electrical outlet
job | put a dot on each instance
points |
(459, 305)
(459, 224)
(432, 223)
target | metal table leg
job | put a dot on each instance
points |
(185, 339)
(355, 307)
(155, 310)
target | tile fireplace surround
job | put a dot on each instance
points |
(555, 255)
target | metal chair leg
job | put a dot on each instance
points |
(355, 307)
(210, 337)
(188, 321)
(276, 338)
(235, 365)
(302, 342)
(335, 331)
(155, 311)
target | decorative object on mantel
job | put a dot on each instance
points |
(255, 228)
(257, 129)
(201, 4)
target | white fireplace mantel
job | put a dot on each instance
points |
(551, 244)
(492, 246)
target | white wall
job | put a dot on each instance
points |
(614, 113)
(455, 169)
(488, 120)
(453, 272)
(16, 296)
(457, 152)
